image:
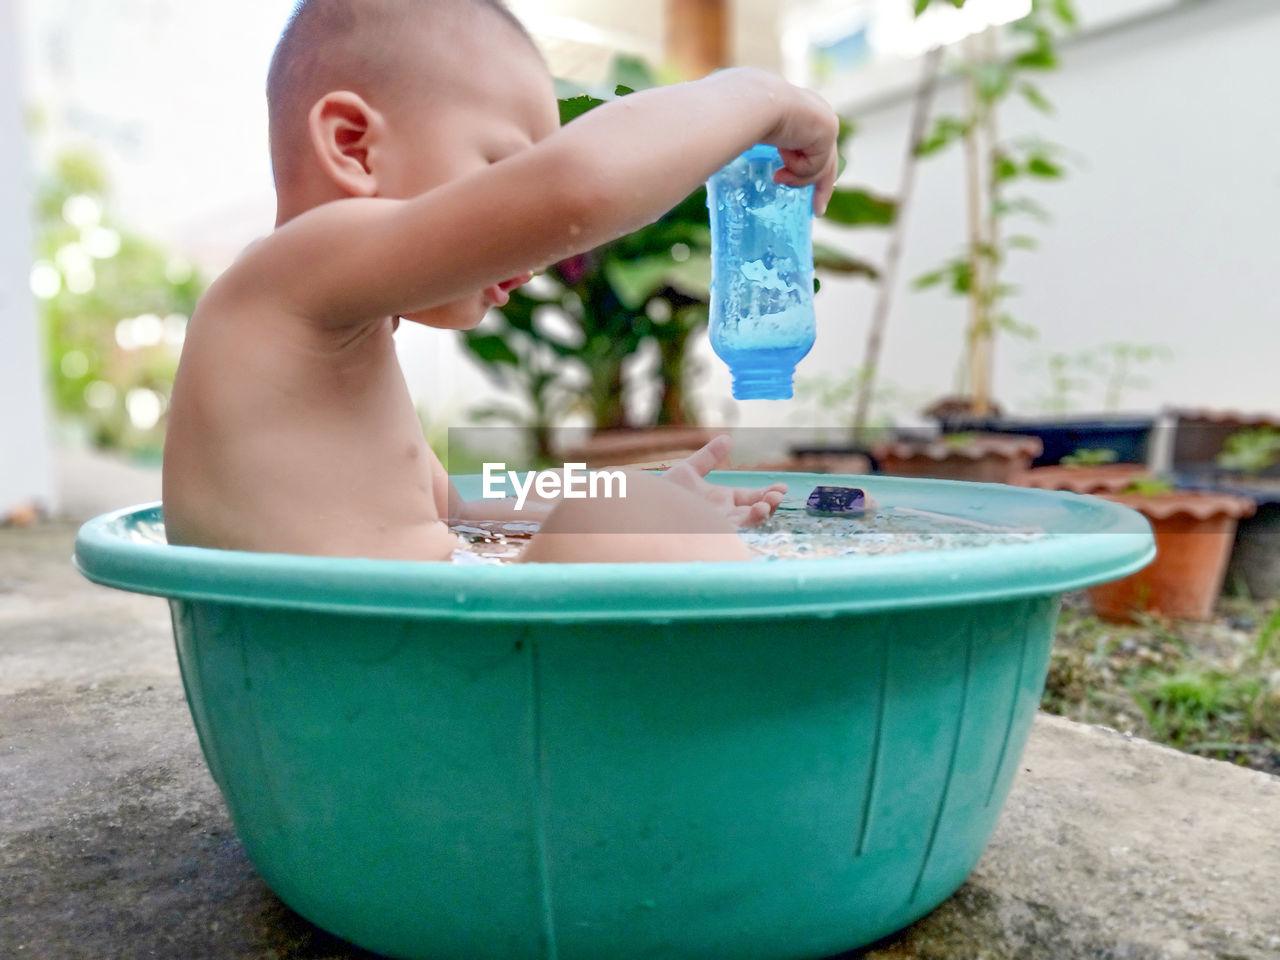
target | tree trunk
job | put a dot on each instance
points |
(608, 411)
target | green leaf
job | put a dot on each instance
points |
(987, 252)
(946, 130)
(1005, 168)
(1066, 13)
(631, 72)
(573, 107)
(847, 129)
(621, 90)
(920, 6)
(1043, 167)
(692, 277)
(1021, 241)
(1090, 457)
(1023, 205)
(635, 281)
(931, 279)
(1039, 57)
(992, 80)
(837, 261)
(860, 208)
(957, 271)
(1034, 96)
(659, 237)
(817, 284)
(491, 348)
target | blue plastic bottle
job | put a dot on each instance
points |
(761, 274)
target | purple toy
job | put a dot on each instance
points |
(837, 502)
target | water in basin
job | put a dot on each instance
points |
(792, 533)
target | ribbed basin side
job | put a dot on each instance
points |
(761, 788)
(377, 771)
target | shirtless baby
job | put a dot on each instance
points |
(421, 174)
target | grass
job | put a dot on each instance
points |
(1211, 689)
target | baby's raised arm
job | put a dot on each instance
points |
(605, 174)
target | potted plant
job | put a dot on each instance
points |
(1108, 370)
(994, 166)
(1194, 532)
(567, 343)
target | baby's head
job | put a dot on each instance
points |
(390, 98)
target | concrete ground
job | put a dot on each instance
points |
(114, 842)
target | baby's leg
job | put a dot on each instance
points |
(656, 521)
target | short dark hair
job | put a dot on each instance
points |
(342, 44)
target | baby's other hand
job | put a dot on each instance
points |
(744, 507)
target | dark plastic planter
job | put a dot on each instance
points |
(1200, 436)
(1129, 437)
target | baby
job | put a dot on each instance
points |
(421, 174)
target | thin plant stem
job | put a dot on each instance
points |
(920, 111)
(978, 388)
(991, 131)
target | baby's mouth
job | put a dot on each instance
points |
(500, 293)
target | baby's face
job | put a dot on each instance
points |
(491, 96)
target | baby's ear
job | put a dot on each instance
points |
(344, 129)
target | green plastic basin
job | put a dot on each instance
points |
(778, 759)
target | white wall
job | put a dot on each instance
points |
(1167, 232)
(24, 456)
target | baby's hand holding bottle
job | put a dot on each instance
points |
(806, 135)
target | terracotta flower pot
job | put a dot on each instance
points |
(1255, 561)
(1100, 478)
(1194, 534)
(649, 446)
(983, 457)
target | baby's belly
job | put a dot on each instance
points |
(353, 507)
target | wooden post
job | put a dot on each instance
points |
(697, 39)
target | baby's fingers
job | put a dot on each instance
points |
(714, 452)
(755, 515)
(826, 186)
(823, 179)
(803, 166)
(744, 496)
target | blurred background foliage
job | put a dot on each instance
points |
(566, 342)
(113, 308)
